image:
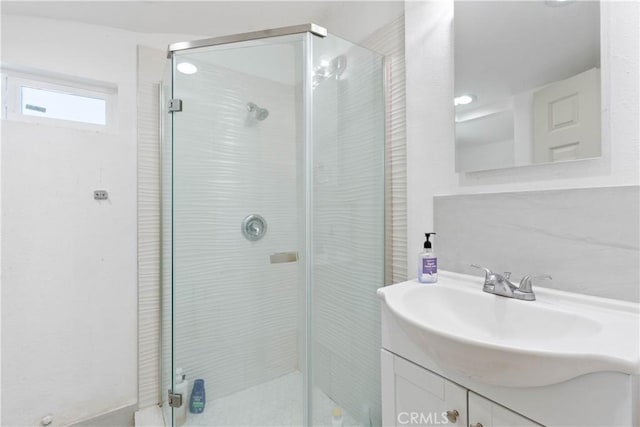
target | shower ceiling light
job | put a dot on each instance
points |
(187, 68)
(464, 99)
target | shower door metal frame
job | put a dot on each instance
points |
(314, 29)
(307, 118)
(307, 121)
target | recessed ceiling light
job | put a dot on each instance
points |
(187, 68)
(464, 99)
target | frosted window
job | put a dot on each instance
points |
(63, 106)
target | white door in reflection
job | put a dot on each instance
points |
(567, 119)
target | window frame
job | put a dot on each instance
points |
(13, 81)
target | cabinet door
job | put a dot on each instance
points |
(485, 413)
(413, 396)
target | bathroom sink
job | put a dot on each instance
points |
(508, 342)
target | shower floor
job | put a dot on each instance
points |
(275, 403)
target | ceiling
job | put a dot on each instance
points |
(204, 19)
(210, 18)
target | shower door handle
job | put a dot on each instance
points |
(281, 257)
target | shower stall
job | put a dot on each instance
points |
(272, 230)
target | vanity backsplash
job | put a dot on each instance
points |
(587, 239)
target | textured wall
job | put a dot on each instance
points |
(587, 239)
(235, 314)
(389, 41)
(149, 296)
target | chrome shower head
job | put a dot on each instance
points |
(339, 65)
(328, 69)
(259, 113)
(262, 113)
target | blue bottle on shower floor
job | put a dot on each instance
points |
(198, 398)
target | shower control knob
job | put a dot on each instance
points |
(476, 425)
(259, 113)
(253, 227)
(453, 415)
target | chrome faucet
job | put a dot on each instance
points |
(499, 284)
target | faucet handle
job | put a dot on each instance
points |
(486, 270)
(526, 282)
(488, 276)
(507, 275)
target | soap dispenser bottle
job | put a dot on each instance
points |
(427, 263)
(181, 387)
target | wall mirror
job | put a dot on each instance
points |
(527, 82)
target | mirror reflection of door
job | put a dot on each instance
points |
(527, 82)
(567, 119)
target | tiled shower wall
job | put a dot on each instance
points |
(348, 233)
(586, 239)
(235, 314)
(149, 296)
(389, 41)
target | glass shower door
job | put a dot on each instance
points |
(273, 233)
(237, 189)
(347, 232)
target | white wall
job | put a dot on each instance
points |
(357, 20)
(69, 294)
(69, 329)
(429, 44)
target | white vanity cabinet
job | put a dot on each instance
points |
(414, 396)
(485, 413)
(564, 360)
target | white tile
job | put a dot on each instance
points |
(149, 417)
(587, 239)
(278, 402)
